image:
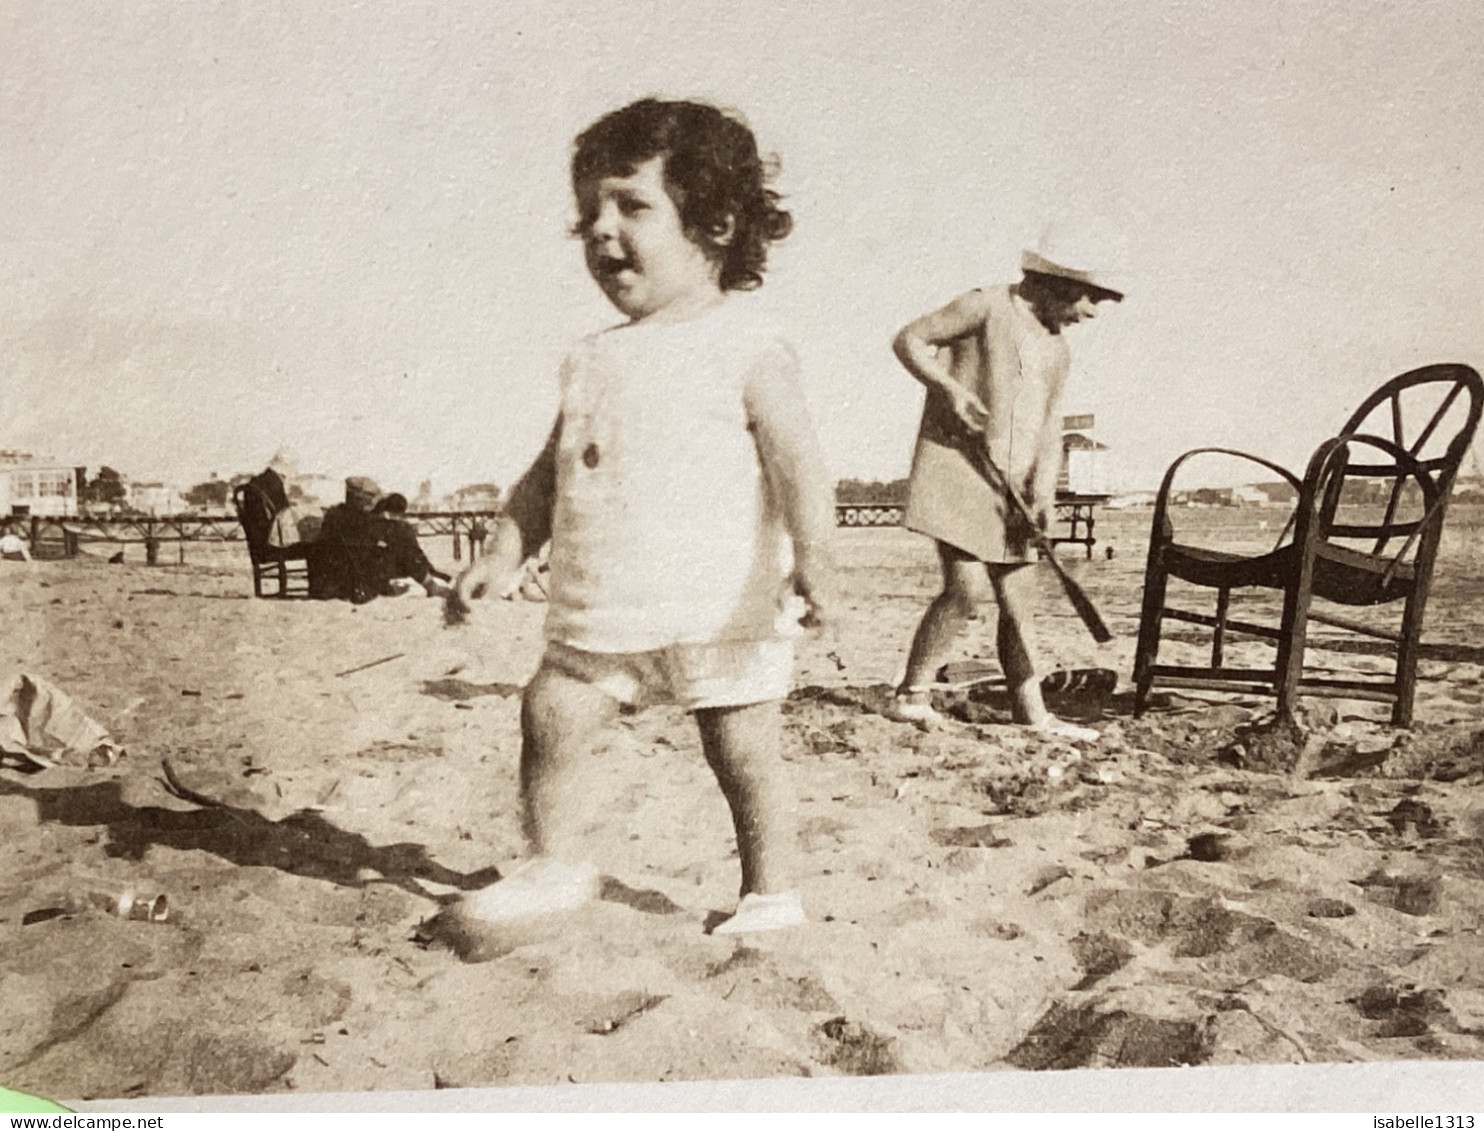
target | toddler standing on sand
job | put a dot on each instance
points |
(684, 497)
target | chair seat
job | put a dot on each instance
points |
(297, 552)
(1341, 574)
(1222, 569)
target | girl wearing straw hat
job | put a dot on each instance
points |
(994, 362)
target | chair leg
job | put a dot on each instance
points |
(1406, 662)
(1150, 623)
(1218, 634)
(1291, 644)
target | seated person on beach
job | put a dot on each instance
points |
(401, 556)
(365, 546)
(685, 499)
(343, 559)
(13, 546)
(994, 362)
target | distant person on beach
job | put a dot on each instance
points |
(366, 548)
(12, 546)
(478, 532)
(401, 557)
(685, 499)
(994, 362)
(343, 559)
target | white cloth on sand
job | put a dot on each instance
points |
(41, 725)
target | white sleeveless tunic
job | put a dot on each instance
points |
(663, 530)
(1017, 370)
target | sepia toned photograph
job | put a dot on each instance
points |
(553, 544)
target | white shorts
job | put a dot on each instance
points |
(727, 673)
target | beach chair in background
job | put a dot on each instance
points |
(283, 569)
(1364, 532)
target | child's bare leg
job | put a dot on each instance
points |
(559, 717)
(741, 745)
(1015, 591)
(964, 593)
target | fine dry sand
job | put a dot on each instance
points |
(1178, 894)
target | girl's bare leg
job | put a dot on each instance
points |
(742, 748)
(1015, 591)
(965, 591)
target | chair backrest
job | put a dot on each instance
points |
(1393, 466)
(258, 502)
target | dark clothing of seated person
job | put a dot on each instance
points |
(344, 559)
(402, 557)
(365, 546)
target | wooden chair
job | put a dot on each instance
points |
(1364, 532)
(284, 568)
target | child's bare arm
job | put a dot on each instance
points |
(917, 346)
(788, 451)
(519, 533)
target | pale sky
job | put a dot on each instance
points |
(340, 227)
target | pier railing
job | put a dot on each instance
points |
(64, 536)
(1077, 511)
(56, 537)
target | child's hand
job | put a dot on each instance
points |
(820, 613)
(474, 584)
(967, 408)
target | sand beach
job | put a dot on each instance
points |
(979, 900)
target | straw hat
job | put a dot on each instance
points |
(1086, 254)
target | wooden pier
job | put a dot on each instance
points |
(60, 537)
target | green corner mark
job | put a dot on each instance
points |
(13, 1102)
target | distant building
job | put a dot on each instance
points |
(30, 485)
(1132, 499)
(1080, 473)
(475, 497)
(156, 499)
(316, 489)
(1204, 497)
(1280, 492)
(871, 493)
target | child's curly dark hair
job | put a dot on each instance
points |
(713, 173)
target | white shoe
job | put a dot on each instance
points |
(757, 912)
(1053, 727)
(540, 886)
(913, 707)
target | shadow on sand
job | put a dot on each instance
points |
(303, 843)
